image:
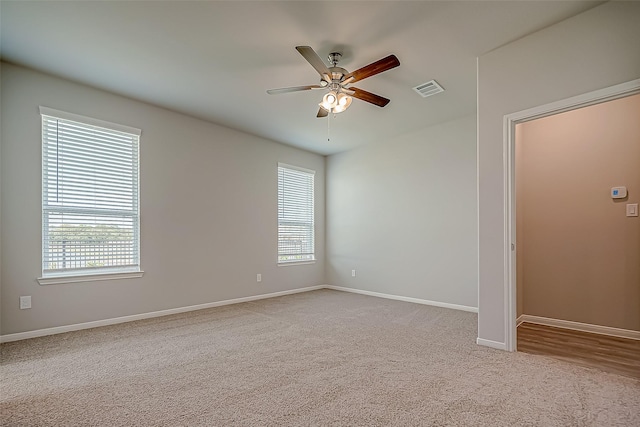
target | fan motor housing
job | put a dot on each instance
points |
(337, 73)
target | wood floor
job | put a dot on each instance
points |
(611, 354)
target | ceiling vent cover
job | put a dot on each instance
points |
(429, 88)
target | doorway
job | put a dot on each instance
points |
(577, 250)
(510, 123)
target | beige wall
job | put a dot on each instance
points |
(578, 253)
(591, 51)
(208, 200)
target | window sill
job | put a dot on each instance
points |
(292, 263)
(55, 280)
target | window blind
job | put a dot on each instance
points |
(90, 211)
(295, 214)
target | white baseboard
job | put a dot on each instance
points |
(406, 299)
(493, 344)
(519, 320)
(123, 319)
(113, 321)
(577, 326)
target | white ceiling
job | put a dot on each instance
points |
(215, 60)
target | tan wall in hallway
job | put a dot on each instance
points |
(578, 254)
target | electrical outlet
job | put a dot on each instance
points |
(353, 273)
(25, 302)
(259, 277)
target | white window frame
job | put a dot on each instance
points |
(90, 274)
(311, 256)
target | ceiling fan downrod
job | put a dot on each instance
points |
(334, 58)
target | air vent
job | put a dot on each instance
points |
(429, 88)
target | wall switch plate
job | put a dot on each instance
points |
(25, 302)
(258, 277)
(632, 209)
(353, 273)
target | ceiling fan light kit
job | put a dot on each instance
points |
(338, 81)
(335, 102)
(330, 100)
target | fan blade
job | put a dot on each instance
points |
(372, 69)
(369, 97)
(322, 113)
(312, 58)
(292, 89)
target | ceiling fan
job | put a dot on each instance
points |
(338, 81)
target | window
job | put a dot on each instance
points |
(90, 213)
(295, 214)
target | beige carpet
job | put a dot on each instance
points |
(317, 358)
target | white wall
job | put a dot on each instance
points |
(208, 210)
(593, 50)
(403, 215)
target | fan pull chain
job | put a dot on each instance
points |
(329, 128)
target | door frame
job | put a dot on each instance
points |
(509, 135)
